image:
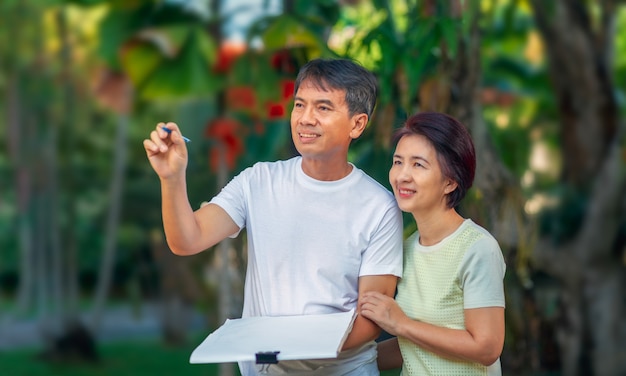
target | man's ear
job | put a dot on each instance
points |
(360, 122)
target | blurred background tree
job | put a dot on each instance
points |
(540, 84)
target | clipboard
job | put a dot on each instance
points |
(270, 339)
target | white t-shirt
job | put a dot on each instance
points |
(309, 241)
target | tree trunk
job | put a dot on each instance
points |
(592, 334)
(112, 224)
(66, 263)
(18, 129)
(178, 290)
(579, 57)
(224, 265)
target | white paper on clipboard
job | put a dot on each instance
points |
(289, 337)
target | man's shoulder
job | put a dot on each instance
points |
(376, 187)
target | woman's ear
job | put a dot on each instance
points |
(360, 122)
(450, 186)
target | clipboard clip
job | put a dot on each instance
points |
(267, 357)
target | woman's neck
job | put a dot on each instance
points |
(434, 229)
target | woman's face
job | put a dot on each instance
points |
(416, 177)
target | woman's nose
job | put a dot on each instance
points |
(403, 174)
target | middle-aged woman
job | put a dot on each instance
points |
(448, 314)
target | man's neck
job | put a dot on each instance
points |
(325, 170)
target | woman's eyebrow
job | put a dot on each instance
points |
(412, 157)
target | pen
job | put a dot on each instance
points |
(170, 131)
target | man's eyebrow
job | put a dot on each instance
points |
(324, 101)
(317, 101)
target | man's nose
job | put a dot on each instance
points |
(307, 116)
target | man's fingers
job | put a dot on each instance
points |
(151, 147)
(159, 141)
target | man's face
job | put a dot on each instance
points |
(321, 126)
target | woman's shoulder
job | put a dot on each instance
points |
(477, 232)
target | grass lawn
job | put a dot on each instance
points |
(139, 358)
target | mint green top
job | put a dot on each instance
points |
(465, 270)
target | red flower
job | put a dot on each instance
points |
(240, 98)
(275, 110)
(283, 62)
(288, 87)
(228, 52)
(224, 131)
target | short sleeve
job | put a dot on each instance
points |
(232, 198)
(482, 274)
(384, 252)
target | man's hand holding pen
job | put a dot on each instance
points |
(167, 150)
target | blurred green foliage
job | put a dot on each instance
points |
(67, 65)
